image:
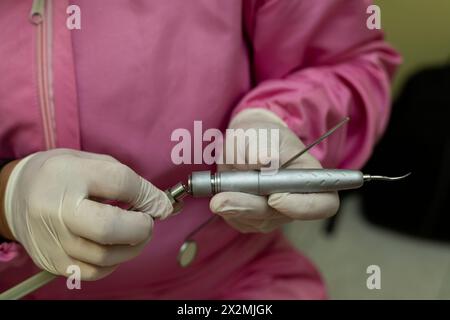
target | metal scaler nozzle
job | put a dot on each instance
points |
(368, 177)
(175, 195)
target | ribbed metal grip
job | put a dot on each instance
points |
(203, 183)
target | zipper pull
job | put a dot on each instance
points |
(37, 11)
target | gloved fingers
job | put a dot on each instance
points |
(116, 181)
(241, 204)
(111, 180)
(88, 272)
(247, 212)
(241, 227)
(250, 150)
(94, 156)
(305, 206)
(106, 224)
(152, 201)
(81, 154)
(101, 255)
(264, 226)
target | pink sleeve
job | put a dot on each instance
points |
(315, 62)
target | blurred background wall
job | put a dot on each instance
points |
(420, 30)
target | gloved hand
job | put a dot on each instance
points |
(252, 213)
(51, 211)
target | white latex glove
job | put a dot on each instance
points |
(51, 211)
(251, 213)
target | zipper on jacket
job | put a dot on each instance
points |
(40, 16)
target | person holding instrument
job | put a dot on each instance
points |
(85, 126)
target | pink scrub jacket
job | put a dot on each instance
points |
(139, 69)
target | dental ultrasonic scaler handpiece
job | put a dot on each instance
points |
(205, 183)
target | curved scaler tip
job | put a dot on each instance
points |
(368, 177)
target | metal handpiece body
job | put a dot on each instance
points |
(205, 183)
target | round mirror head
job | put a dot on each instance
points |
(187, 253)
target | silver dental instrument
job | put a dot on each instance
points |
(206, 184)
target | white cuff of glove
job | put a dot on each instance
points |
(12, 181)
